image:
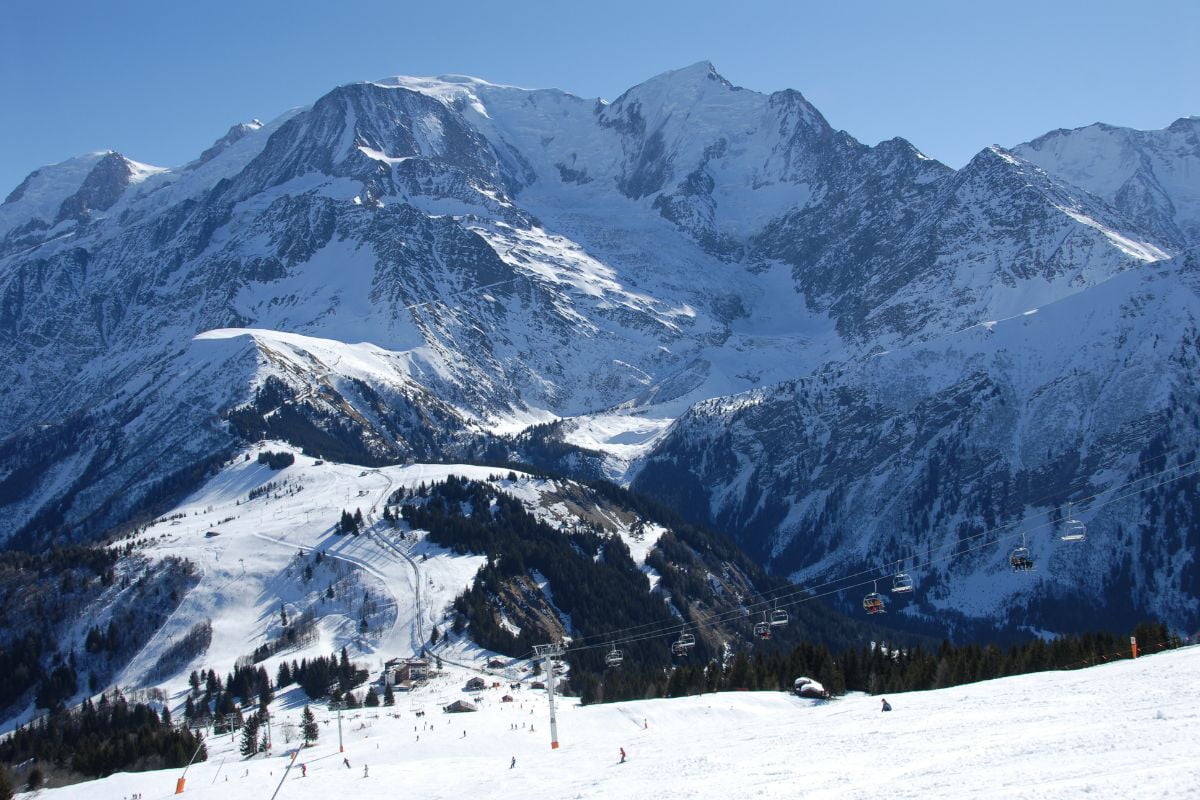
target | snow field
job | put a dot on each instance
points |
(1119, 730)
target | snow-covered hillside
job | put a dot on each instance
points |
(252, 531)
(1119, 730)
(934, 458)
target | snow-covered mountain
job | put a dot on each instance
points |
(1153, 177)
(416, 267)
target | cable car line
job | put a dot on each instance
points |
(928, 555)
(1050, 497)
(632, 634)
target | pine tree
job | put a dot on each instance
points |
(250, 735)
(284, 676)
(372, 699)
(308, 727)
(389, 697)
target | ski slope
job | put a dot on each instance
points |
(1118, 730)
(248, 550)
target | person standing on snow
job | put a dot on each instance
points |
(886, 706)
(622, 755)
(304, 770)
(513, 764)
(346, 761)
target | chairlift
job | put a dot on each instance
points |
(779, 617)
(1020, 559)
(1073, 530)
(874, 603)
(763, 629)
(685, 642)
(614, 657)
(902, 583)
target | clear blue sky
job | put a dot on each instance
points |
(158, 81)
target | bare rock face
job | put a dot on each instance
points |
(100, 190)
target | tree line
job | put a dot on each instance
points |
(98, 739)
(874, 668)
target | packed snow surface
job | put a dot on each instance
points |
(1119, 730)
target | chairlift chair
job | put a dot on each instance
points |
(1020, 559)
(763, 629)
(779, 617)
(874, 603)
(902, 583)
(614, 658)
(685, 642)
(1073, 530)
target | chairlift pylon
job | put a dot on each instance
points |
(1073, 530)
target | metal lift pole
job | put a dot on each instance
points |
(548, 652)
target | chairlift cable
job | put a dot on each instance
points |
(637, 633)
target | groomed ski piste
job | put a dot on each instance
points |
(1124, 730)
(1121, 729)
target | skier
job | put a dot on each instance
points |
(364, 770)
(886, 706)
(622, 755)
(303, 770)
(346, 761)
(513, 765)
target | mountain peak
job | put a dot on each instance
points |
(698, 74)
(235, 134)
(1184, 124)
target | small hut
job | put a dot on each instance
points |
(459, 707)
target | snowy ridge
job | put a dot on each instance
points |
(1149, 175)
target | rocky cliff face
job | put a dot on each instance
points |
(412, 268)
